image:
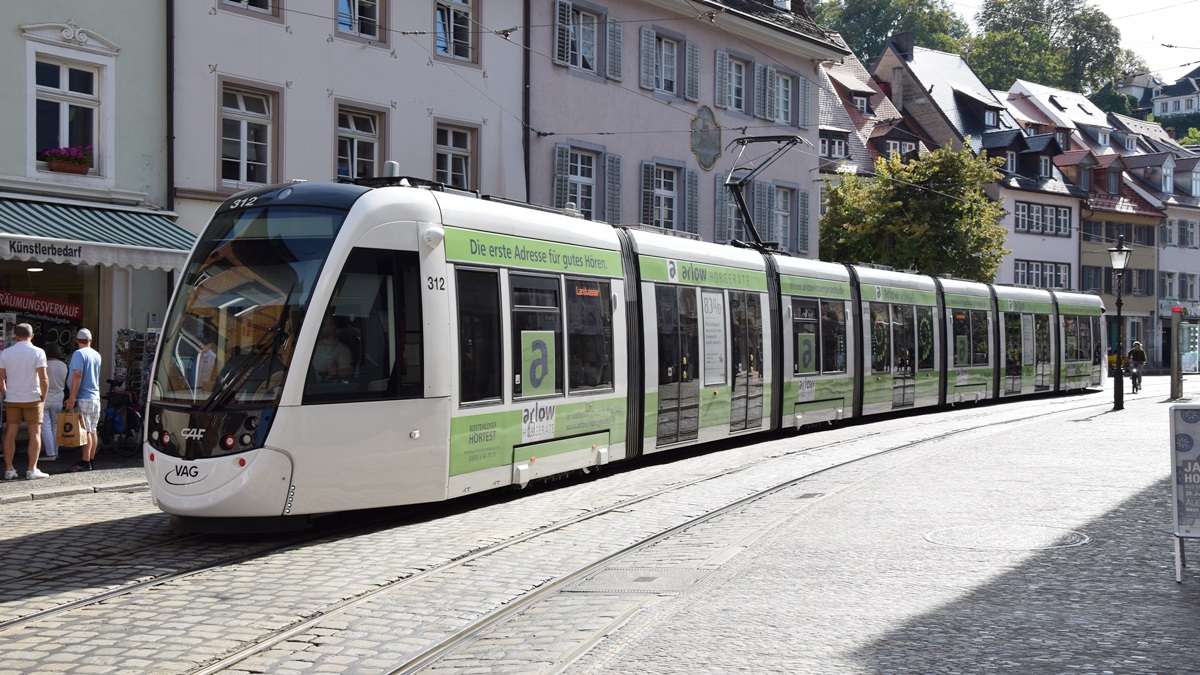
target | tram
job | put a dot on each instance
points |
(334, 347)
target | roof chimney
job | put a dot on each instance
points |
(1171, 133)
(897, 87)
(903, 42)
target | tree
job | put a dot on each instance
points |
(1110, 100)
(1000, 57)
(1192, 137)
(866, 25)
(1081, 38)
(928, 214)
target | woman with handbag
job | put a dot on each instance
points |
(56, 371)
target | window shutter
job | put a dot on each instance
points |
(760, 90)
(612, 189)
(785, 232)
(1162, 285)
(804, 103)
(649, 38)
(691, 84)
(721, 85)
(720, 210)
(647, 193)
(612, 65)
(769, 85)
(803, 224)
(562, 157)
(693, 202)
(562, 32)
(764, 223)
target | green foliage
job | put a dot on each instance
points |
(1180, 123)
(1068, 44)
(866, 25)
(1110, 100)
(1192, 137)
(928, 214)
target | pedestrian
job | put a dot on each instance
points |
(85, 393)
(56, 370)
(23, 384)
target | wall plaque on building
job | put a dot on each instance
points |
(706, 138)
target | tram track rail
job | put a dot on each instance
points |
(434, 653)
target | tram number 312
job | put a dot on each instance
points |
(436, 283)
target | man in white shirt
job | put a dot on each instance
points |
(23, 383)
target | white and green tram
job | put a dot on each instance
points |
(333, 347)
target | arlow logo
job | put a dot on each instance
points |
(184, 474)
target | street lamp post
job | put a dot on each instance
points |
(1120, 258)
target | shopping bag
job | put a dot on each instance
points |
(70, 432)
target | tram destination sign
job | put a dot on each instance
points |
(1185, 468)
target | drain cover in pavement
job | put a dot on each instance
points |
(643, 580)
(1007, 537)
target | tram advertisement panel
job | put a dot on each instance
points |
(1185, 468)
(498, 249)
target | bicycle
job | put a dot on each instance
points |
(120, 430)
(1135, 375)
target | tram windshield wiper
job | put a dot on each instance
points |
(232, 381)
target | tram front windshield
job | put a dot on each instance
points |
(232, 330)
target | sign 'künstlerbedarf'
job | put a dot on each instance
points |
(39, 248)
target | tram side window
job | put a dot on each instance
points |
(536, 335)
(979, 338)
(925, 338)
(589, 334)
(881, 338)
(1083, 345)
(1041, 337)
(833, 336)
(805, 326)
(970, 337)
(369, 346)
(479, 343)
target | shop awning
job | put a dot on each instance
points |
(82, 235)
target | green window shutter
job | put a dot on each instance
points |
(760, 90)
(647, 193)
(649, 38)
(691, 87)
(804, 102)
(769, 86)
(803, 223)
(612, 189)
(562, 32)
(764, 222)
(562, 158)
(721, 210)
(721, 84)
(612, 63)
(693, 202)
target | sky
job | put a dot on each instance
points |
(1145, 26)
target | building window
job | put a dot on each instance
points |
(1010, 161)
(1196, 182)
(1131, 143)
(1168, 284)
(581, 182)
(258, 5)
(666, 196)
(893, 147)
(1168, 179)
(67, 102)
(737, 85)
(783, 99)
(1175, 106)
(1114, 182)
(907, 147)
(583, 31)
(1020, 273)
(453, 156)
(1035, 217)
(666, 53)
(1188, 286)
(1162, 107)
(1064, 221)
(246, 123)
(357, 144)
(1166, 233)
(1188, 104)
(833, 147)
(1102, 137)
(1092, 231)
(989, 118)
(1093, 279)
(1021, 217)
(359, 18)
(1085, 178)
(1044, 166)
(860, 102)
(782, 215)
(454, 30)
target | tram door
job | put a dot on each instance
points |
(904, 369)
(1014, 353)
(1043, 378)
(678, 348)
(746, 400)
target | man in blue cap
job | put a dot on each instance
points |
(85, 393)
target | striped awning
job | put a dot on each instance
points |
(83, 235)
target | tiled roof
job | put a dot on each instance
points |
(1073, 157)
(1141, 161)
(1105, 161)
(1151, 131)
(1187, 163)
(1188, 84)
(949, 81)
(1053, 185)
(1173, 198)
(1071, 108)
(1042, 142)
(1002, 139)
(836, 115)
(1127, 201)
(798, 23)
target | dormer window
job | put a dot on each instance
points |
(1114, 181)
(1168, 179)
(1061, 137)
(833, 146)
(860, 102)
(1102, 137)
(1044, 166)
(990, 118)
(1010, 161)
(1085, 178)
(893, 147)
(1196, 183)
(1131, 143)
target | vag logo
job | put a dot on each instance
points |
(183, 474)
(192, 433)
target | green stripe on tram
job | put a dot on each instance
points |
(486, 248)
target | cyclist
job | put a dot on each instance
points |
(1137, 362)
